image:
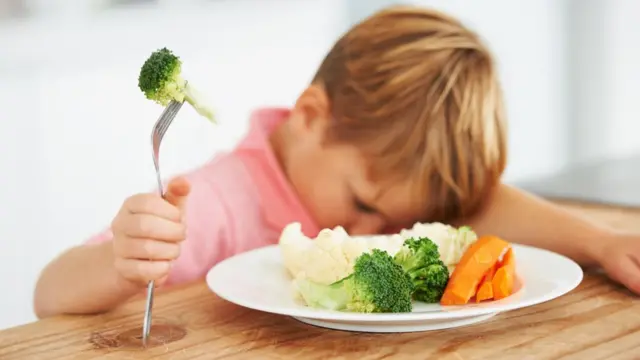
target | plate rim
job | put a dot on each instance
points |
(456, 312)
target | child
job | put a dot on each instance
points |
(403, 122)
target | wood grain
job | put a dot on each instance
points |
(598, 320)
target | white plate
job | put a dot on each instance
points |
(258, 280)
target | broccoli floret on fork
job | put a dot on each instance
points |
(161, 80)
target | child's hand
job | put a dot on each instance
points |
(147, 233)
(620, 258)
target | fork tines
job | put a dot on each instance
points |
(169, 113)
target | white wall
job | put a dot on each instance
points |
(623, 49)
(75, 128)
(604, 36)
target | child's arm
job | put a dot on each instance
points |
(526, 219)
(145, 242)
(82, 280)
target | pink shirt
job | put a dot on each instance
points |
(239, 201)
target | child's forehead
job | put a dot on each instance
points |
(391, 171)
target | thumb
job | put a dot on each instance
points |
(177, 191)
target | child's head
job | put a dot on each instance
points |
(403, 122)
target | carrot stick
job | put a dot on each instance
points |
(473, 265)
(485, 291)
(504, 277)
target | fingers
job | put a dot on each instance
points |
(148, 231)
(627, 272)
(142, 271)
(144, 226)
(146, 249)
(177, 191)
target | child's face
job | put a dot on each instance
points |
(331, 179)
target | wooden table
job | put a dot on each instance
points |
(598, 320)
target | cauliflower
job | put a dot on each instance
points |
(452, 242)
(332, 254)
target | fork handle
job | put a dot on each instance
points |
(146, 325)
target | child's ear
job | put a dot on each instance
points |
(312, 110)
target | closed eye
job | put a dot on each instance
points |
(364, 207)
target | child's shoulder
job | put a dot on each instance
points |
(252, 163)
(225, 172)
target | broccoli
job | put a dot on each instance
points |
(160, 80)
(421, 260)
(377, 285)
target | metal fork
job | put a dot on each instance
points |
(159, 129)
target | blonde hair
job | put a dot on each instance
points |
(419, 93)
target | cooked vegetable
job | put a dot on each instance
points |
(474, 264)
(485, 290)
(160, 80)
(504, 277)
(452, 242)
(377, 284)
(421, 260)
(386, 273)
(331, 256)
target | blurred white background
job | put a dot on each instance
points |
(74, 134)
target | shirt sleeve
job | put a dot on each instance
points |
(208, 228)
